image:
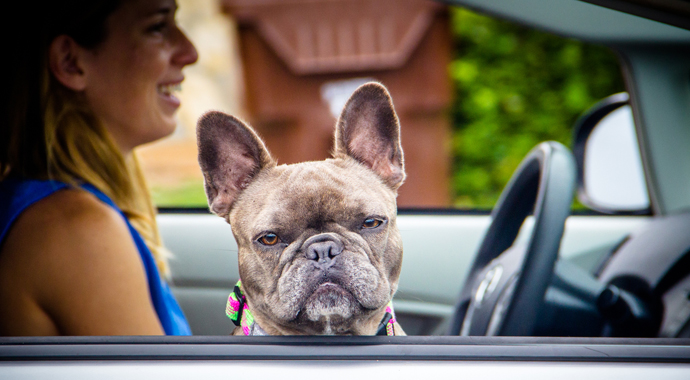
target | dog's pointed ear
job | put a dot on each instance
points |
(231, 154)
(368, 131)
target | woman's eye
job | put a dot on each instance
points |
(158, 27)
(371, 223)
(269, 239)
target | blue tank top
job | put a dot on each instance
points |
(17, 195)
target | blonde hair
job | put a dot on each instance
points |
(65, 141)
(79, 147)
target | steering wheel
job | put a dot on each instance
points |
(505, 287)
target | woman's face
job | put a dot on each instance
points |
(132, 76)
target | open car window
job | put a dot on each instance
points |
(493, 90)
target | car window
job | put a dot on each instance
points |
(213, 83)
(492, 90)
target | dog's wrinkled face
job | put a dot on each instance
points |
(319, 250)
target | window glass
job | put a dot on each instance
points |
(473, 94)
(212, 83)
(515, 87)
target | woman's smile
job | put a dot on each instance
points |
(167, 93)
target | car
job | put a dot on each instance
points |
(553, 295)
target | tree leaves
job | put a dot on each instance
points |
(515, 87)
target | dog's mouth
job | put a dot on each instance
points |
(328, 285)
(330, 298)
(333, 285)
(329, 291)
(349, 288)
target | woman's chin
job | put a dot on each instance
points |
(162, 129)
(168, 129)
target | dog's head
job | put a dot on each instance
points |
(319, 249)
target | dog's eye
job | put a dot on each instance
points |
(269, 239)
(371, 223)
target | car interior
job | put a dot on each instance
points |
(619, 271)
(532, 268)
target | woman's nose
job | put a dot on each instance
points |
(186, 53)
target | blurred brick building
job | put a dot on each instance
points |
(303, 58)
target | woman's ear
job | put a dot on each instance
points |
(65, 63)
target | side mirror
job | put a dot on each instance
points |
(610, 174)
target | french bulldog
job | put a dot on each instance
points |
(319, 249)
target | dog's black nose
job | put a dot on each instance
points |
(323, 248)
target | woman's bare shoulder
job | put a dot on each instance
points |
(72, 254)
(72, 208)
(62, 224)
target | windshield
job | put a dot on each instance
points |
(491, 90)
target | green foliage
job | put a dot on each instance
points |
(515, 87)
(185, 194)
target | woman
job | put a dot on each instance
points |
(80, 252)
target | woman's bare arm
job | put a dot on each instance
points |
(69, 266)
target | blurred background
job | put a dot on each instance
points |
(473, 94)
